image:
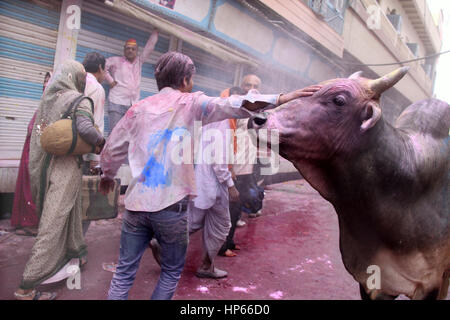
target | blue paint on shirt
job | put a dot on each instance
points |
(155, 174)
(204, 107)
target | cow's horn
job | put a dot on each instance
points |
(356, 75)
(380, 85)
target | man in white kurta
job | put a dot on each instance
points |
(94, 64)
(210, 209)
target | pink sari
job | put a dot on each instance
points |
(24, 210)
(24, 213)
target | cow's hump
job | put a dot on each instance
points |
(431, 116)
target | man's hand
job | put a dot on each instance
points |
(234, 194)
(106, 185)
(154, 36)
(112, 85)
(93, 164)
(233, 175)
(300, 93)
(99, 147)
(93, 167)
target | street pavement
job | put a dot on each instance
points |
(290, 252)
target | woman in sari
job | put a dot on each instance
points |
(24, 217)
(56, 183)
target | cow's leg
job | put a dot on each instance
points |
(421, 294)
(383, 296)
(363, 293)
(443, 290)
(378, 295)
(432, 295)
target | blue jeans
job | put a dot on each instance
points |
(170, 228)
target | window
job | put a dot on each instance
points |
(395, 19)
(331, 11)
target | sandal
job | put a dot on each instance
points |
(26, 232)
(109, 266)
(35, 295)
(213, 274)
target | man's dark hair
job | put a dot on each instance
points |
(171, 68)
(237, 90)
(92, 60)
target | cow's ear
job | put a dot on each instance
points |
(370, 115)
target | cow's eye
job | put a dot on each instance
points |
(339, 100)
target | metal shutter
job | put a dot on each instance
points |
(28, 34)
(105, 31)
(213, 75)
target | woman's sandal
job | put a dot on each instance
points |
(28, 232)
(35, 295)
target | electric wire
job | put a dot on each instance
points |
(394, 63)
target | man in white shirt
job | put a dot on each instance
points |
(210, 209)
(94, 64)
(157, 197)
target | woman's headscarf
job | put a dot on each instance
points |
(65, 85)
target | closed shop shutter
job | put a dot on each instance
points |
(28, 34)
(105, 31)
(213, 74)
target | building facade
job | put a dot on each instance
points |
(288, 43)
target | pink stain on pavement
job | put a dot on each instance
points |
(301, 267)
(298, 267)
(277, 295)
(202, 289)
(240, 289)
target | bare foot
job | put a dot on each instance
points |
(229, 253)
(83, 261)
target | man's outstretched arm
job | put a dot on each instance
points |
(150, 45)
